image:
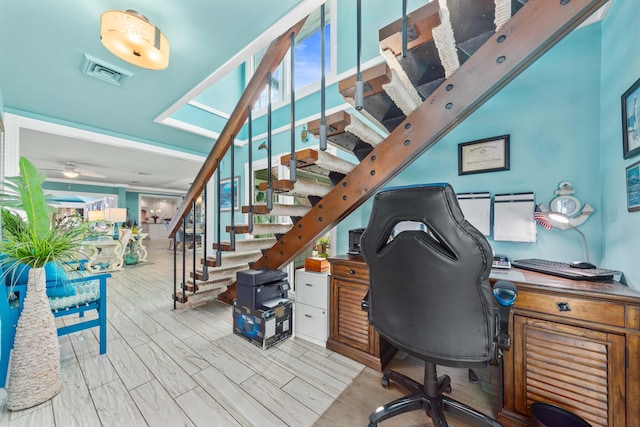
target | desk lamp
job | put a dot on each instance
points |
(565, 219)
(115, 215)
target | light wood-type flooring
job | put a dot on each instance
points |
(168, 367)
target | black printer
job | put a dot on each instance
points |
(255, 287)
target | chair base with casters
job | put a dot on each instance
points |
(429, 397)
(430, 295)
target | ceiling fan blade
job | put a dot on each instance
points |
(90, 174)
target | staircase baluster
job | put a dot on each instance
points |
(175, 270)
(193, 258)
(269, 179)
(219, 251)
(292, 109)
(404, 28)
(184, 260)
(232, 231)
(359, 88)
(251, 187)
(322, 131)
(203, 208)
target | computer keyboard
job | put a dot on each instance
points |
(562, 269)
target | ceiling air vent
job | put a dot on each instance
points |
(104, 71)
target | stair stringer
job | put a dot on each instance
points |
(524, 38)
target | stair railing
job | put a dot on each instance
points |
(242, 111)
(272, 58)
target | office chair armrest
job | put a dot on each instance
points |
(505, 294)
(364, 305)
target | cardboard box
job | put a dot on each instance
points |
(317, 264)
(264, 328)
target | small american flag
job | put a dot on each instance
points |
(541, 219)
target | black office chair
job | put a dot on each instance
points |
(430, 294)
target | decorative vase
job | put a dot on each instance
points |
(35, 375)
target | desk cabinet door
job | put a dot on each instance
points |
(349, 323)
(576, 368)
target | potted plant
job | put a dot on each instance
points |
(34, 242)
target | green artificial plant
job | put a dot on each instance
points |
(40, 238)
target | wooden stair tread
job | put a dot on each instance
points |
(232, 257)
(346, 131)
(374, 77)
(419, 23)
(263, 228)
(278, 209)
(300, 188)
(245, 244)
(379, 108)
(308, 158)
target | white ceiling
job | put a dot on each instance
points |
(121, 166)
(43, 43)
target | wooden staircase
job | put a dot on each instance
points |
(459, 54)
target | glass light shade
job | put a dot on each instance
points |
(131, 37)
(70, 173)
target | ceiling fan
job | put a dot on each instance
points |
(71, 170)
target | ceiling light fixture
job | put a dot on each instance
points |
(70, 173)
(131, 37)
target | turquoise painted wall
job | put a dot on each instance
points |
(620, 68)
(133, 206)
(552, 113)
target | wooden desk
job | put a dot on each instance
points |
(350, 333)
(575, 344)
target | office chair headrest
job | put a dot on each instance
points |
(429, 266)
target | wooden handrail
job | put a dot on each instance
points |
(272, 58)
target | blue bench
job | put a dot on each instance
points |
(88, 292)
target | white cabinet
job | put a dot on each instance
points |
(312, 306)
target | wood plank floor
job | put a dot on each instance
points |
(168, 367)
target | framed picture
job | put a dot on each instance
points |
(484, 155)
(631, 121)
(225, 194)
(633, 187)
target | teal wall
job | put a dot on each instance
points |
(564, 118)
(620, 68)
(133, 206)
(551, 112)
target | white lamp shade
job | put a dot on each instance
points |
(115, 214)
(96, 215)
(131, 37)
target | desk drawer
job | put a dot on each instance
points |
(312, 289)
(572, 308)
(312, 322)
(351, 272)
